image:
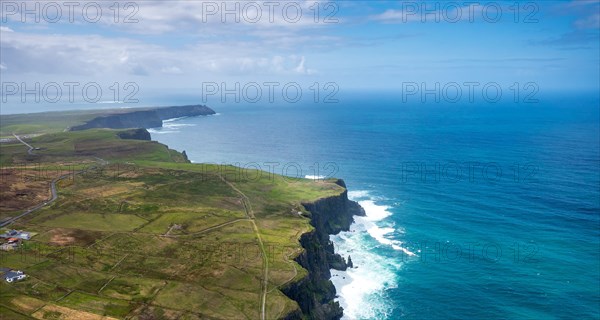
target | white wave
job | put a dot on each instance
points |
(171, 124)
(357, 194)
(314, 177)
(173, 119)
(361, 289)
(362, 292)
(374, 211)
(177, 125)
(379, 234)
(161, 131)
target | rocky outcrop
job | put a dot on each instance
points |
(144, 118)
(135, 134)
(315, 292)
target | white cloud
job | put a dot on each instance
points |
(6, 29)
(415, 12)
(2, 66)
(301, 69)
(95, 55)
(202, 17)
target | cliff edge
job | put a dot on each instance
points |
(143, 118)
(315, 292)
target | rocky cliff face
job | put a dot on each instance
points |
(136, 134)
(149, 118)
(315, 293)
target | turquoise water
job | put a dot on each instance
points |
(476, 211)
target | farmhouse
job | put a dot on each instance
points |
(7, 244)
(16, 234)
(12, 275)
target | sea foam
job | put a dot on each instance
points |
(361, 290)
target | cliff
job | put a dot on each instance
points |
(144, 118)
(315, 292)
(136, 134)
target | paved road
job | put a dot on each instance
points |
(52, 188)
(41, 205)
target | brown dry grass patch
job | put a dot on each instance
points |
(27, 304)
(22, 188)
(67, 237)
(68, 313)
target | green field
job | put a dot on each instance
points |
(51, 122)
(145, 235)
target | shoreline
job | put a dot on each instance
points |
(361, 290)
(341, 209)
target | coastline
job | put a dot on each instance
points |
(312, 294)
(362, 290)
(316, 293)
(323, 259)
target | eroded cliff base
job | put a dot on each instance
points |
(315, 293)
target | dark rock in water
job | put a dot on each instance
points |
(337, 262)
(143, 118)
(135, 134)
(350, 264)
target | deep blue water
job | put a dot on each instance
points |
(474, 211)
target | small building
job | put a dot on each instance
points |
(16, 234)
(24, 235)
(8, 246)
(14, 275)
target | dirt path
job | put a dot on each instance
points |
(250, 214)
(203, 231)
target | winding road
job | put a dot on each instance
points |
(30, 151)
(245, 201)
(41, 205)
(52, 187)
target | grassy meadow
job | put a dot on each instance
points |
(138, 233)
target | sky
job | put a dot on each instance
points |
(181, 46)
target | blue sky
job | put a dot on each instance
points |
(375, 45)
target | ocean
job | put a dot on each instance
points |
(480, 211)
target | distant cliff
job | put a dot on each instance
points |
(143, 118)
(315, 292)
(136, 134)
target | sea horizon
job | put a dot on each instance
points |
(304, 159)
